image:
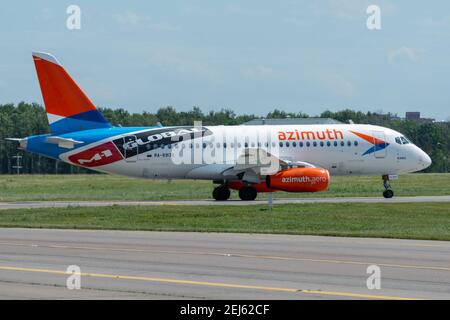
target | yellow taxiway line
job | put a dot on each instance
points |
(209, 284)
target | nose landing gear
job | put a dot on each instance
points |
(388, 192)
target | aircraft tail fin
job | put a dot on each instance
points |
(68, 108)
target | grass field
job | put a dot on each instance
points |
(107, 187)
(409, 221)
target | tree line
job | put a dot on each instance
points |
(25, 119)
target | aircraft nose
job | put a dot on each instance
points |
(424, 160)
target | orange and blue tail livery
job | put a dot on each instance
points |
(68, 108)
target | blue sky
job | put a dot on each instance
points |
(249, 56)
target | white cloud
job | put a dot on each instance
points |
(337, 84)
(258, 72)
(131, 18)
(46, 14)
(194, 11)
(295, 21)
(443, 22)
(349, 10)
(170, 60)
(238, 10)
(402, 54)
(134, 19)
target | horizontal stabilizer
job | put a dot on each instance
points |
(67, 143)
(22, 142)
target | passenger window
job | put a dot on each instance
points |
(294, 144)
(301, 144)
(281, 144)
(308, 144)
(342, 143)
(355, 143)
(287, 144)
(315, 144)
(349, 143)
(335, 143)
(328, 143)
(321, 143)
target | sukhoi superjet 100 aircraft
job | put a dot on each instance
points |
(250, 159)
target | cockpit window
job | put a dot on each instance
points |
(404, 140)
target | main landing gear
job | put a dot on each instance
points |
(221, 193)
(387, 193)
(248, 193)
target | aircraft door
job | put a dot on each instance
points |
(380, 149)
(130, 148)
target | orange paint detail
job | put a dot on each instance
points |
(61, 94)
(368, 138)
(299, 180)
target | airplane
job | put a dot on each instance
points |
(249, 159)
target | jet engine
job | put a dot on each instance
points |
(299, 180)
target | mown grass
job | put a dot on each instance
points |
(409, 221)
(108, 187)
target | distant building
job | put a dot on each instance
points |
(303, 121)
(412, 116)
(415, 116)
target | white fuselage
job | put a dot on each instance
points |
(343, 149)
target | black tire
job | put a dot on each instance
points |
(388, 193)
(221, 193)
(248, 193)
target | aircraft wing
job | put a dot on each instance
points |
(254, 163)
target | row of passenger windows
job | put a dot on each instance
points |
(321, 143)
(281, 144)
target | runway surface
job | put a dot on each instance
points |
(163, 265)
(61, 204)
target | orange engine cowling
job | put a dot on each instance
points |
(299, 180)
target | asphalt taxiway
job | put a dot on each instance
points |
(172, 265)
(61, 204)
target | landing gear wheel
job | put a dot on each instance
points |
(248, 193)
(388, 193)
(221, 193)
